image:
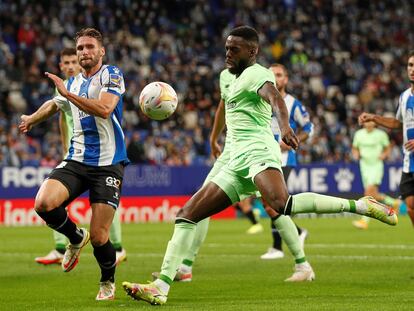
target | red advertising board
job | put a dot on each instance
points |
(20, 212)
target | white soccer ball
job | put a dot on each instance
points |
(158, 100)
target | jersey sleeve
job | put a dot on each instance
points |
(61, 101)
(112, 81)
(398, 114)
(301, 117)
(256, 77)
(355, 141)
(224, 85)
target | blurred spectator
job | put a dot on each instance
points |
(343, 57)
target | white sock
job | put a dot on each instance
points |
(360, 207)
(163, 286)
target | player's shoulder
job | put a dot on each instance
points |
(111, 69)
(225, 74)
(406, 94)
(257, 68)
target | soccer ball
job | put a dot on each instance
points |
(158, 100)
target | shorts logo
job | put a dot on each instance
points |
(62, 164)
(116, 196)
(113, 182)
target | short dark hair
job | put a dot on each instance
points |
(411, 53)
(246, 32)
(68, 52)
(281, 66)
(89, 32)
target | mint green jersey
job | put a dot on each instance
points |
(248, 117)
(370, 144)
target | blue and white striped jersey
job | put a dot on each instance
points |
(298, 118)
(96, 141)
(405, 114)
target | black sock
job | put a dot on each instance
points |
(251, 217)
(106, 258)
(299, 229)
(58, 220)
(277, 240)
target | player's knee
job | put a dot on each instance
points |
(277, 203)
(99, 237)
(183, 213)
(186, 214)
(44, 204)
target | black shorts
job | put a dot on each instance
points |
(103, 182)
(407, 185)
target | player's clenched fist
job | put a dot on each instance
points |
(290, 139)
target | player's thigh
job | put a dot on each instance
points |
(209, 200)
(101, 220)
(105, 184)
(407, 186)
(271, 185)
(63, 184)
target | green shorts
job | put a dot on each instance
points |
(236, 177)
(371, 174)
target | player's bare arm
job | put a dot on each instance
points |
(48, 109)
(218, 126)
(385, 153)
(355, 153)
(271, 95)
(387, 122)
(101, 107)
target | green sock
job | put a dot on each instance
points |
(179, 245)
(388, 200)
(200, 236)
(115, 232)
(287, 230)
(309, 202)
(60, 240)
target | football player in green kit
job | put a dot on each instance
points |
(254, 164)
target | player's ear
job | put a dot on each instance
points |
(102, 51)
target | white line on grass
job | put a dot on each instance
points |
(314, 245)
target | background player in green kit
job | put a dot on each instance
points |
(371, 147)
(254, 164)
(70, 67)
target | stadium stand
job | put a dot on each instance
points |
(337, 68)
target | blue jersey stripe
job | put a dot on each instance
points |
(90, 132)
(120, 151)
(71, 150)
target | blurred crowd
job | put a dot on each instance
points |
(343, 56)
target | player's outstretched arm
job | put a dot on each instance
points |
(391, 123)
(271, 95)
(218, 126)
(45, 111)
(101, 107)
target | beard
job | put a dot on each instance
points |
(89, 63)
(239, 68)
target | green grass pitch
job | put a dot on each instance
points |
(355, 270)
